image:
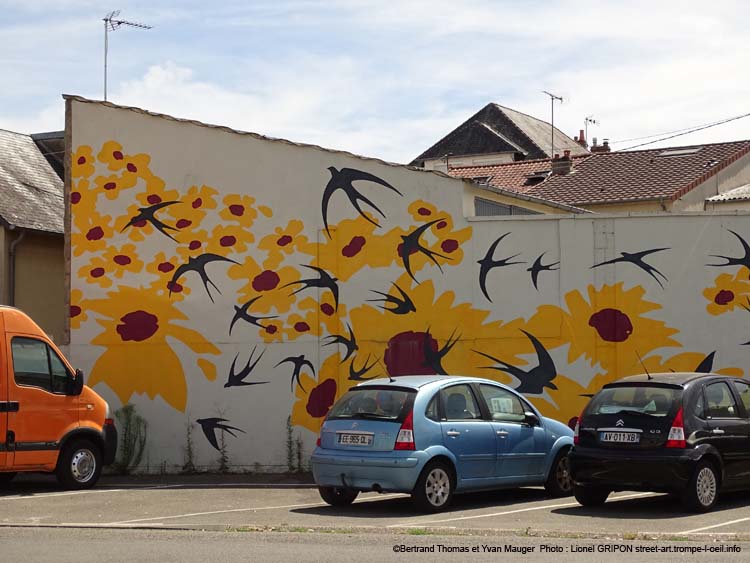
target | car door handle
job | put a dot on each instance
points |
(501, 433)
(453, 433)
(717, 431)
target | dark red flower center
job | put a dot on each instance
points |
(110, 186)
(75, 310)
(449, 245)
(138, 326)
(75, 197)
(81, 160)
(283, 241)
(266, 281)
(184, 223)
(141, 223)
(321, 399)
(301, 326)
(197, 202)
(612, 325)
(271, 329)
(97, 272)
(723, 297)
(174, 287)
(442, 224)
(122, 260)
(400, 250)
(117, 155)
(194, 245)
(354, 246)
(405, 354)
(153, 199)
(228, 240)
(165, 267)
(95, 233)
(237, 210)
(327, 309)
(131, 167)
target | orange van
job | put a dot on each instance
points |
(49, 420)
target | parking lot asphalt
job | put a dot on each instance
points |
(239, 502)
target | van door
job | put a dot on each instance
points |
(38, 381)
(4, 402)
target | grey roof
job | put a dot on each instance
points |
(737, 194)
(31, 192)
(540, 133)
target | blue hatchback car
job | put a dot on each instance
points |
(433, 436)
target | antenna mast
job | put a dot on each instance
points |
(552, 99)
(111, 24)
(586, 120)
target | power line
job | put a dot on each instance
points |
(687, 132)
(664, 133)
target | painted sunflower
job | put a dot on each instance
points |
(728, 293)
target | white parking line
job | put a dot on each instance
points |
(76, 493)
(714, 526)
(505, 513)
(253, 509)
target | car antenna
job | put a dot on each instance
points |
(644, 366)
(390, 379)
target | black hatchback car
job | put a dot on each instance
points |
(682, 433)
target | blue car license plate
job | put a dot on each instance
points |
(354, 439)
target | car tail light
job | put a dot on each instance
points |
(577, 429)
(676, 438)
(405, 438)
(109, 422)
(317, 442)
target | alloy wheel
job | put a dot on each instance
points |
(705, 485)
(437, 487)
(562, 474)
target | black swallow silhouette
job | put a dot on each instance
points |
(488, 263)
(741, 261)
(402, 306)
(149, 214)
(636, 258)
(211, 425)
(433, 358)
(198, 264)
(238, 379)
(707, 364)
(325, 281)
(350, 343)
(299, 362)
(537, 267)
(412, 244)
(356, 374)
(240, 313)
(343, 180)
(532, 381)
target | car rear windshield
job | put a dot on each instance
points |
(649, 400)
(385, 403)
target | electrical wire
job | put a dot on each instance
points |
(662, 134)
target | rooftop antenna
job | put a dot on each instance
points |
(111, 24)
(390, 378)
(552, 99)
(648, 375)
(586, 120)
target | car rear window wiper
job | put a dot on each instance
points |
(630, 411)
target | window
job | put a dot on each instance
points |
(377, 402)
(488, 208)
(743, 389)
(503, 404)
(35, 364)
(432, 409)
(460, 403)
(653, 400)
(719, 401)
(700, 405)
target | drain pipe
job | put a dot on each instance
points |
(12, 268)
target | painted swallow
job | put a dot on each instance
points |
(149, 214)
(412, 244)
(238, 379)
(532, 381)
(488, 263)
(299, 362)
(707, 364)
(636, 258)
(356, 374)
(198, 264)
(402, 306)
(211, 425)
(537, 267)
(240, 313)
(343, 180)
(350, 343)
(433, 358)
(741, 261)
(325, 281)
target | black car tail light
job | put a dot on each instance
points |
(676, 438)
(577, 429)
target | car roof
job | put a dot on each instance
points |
(418, 381)
(672, 378)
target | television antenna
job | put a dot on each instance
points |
(586, 120)
(111, 23)
(553, 98)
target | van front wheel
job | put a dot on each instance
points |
(79, 465)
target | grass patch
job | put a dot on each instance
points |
(419, 532)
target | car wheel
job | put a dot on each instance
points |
(79, 465)
(6, 478)
(590, 496)
(703, 488)
(434, 489)
(559, 483)
(338, 496)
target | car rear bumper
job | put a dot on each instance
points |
(391, 473)
(634, 471)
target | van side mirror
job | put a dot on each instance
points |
(531, 419)
(76, 383)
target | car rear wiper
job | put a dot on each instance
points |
(373, 415)
(629, 411)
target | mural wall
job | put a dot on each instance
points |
(226, 282)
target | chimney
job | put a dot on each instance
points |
(604, 147)
(562, 166)
(581, 140)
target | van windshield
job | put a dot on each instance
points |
(374, 402)
(648, 400)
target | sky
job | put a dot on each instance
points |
(387, 79)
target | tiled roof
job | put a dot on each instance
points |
(31, 193)
(737, 194)
(511, 175)
(640, 175)
(539, 132)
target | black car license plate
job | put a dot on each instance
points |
(620, 437)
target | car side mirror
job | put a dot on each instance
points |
(531, 419)
(76, 383)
